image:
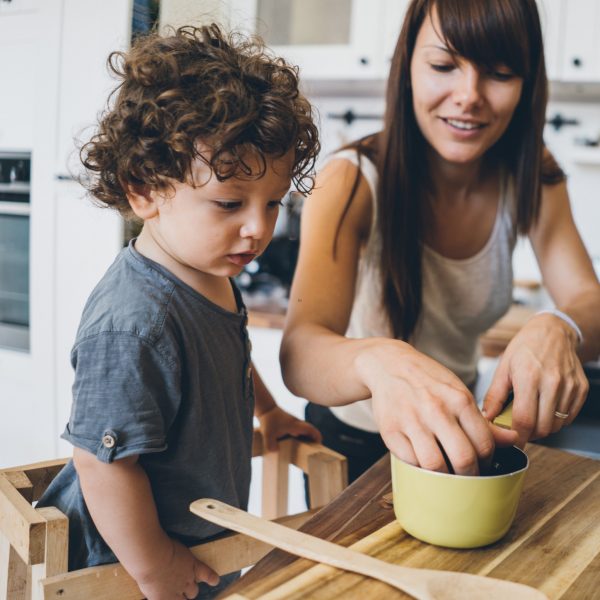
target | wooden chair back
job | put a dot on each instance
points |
(34, 541)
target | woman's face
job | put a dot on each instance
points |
(461, 110)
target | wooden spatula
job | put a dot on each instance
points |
(423, 584)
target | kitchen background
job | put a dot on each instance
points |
(55, 244)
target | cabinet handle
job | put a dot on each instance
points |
(558, 121)
(577, 62)
(363, 60)
(350, 116)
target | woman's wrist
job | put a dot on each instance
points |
(369, 361)
(565, 318)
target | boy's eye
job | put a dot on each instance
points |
(275, 203)
(228, 205)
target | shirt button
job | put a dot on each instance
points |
(108, 441)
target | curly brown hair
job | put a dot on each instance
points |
(226, 91)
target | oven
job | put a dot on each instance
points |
(14, 250)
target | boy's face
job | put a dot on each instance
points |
(217, 228)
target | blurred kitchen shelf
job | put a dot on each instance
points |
(18, 187)
(586, 156)
(268, 320)
(496, 338)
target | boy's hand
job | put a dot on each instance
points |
(276, 423)
(178, 577)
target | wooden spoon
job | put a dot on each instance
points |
(423, 584)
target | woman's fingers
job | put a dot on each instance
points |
(525, 408)
(580, 395)
(554, 393)
(503, 436)
(498, 391)
(400, 446)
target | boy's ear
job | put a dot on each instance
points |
(142, 201)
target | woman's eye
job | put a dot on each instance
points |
(442, 67)
(502, 75)
(275, 203)
(227, 205)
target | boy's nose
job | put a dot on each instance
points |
(256, 226)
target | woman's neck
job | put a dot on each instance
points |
(451, 182)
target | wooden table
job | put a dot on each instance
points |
(553, 544)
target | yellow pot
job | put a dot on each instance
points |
(455, 510)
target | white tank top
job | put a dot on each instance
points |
(461, 298)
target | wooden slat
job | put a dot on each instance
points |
(299, 450)
(22, 483)
(21, 524)
(275, 474)
(225, 555)
(13, 573)
(39, 474)
(56, 550)
(257, 444)
(327, 477)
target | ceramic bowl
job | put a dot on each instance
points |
(459, 511)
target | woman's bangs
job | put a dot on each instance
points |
(488, 33)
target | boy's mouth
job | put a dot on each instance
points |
(241, 259)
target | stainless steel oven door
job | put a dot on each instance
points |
(14, 275)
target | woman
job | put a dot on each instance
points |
(406, 251)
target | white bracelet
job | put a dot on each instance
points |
(566, 318)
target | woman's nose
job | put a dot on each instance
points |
(467, 93)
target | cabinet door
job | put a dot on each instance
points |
(337, 39)
(91, 30)
(19, 51)
(552, 19)
(581, 53)
(393, 20)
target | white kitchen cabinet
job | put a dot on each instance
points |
(17, 7)
(333, 40)
(19, 51)
(552, 19)
(72, 242)
(581, 48)
(85, 80)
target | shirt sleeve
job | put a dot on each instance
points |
(126, 395)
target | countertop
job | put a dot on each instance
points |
(553, 544)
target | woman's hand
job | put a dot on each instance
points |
(422, 407)
(178, 577)
(541, 365)
(276, 423)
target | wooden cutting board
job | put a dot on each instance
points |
(553, 545)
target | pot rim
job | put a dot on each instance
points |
(470, 477)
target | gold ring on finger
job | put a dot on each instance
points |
(561, 415)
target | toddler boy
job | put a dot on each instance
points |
(203, 137)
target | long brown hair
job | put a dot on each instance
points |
(487, 33)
